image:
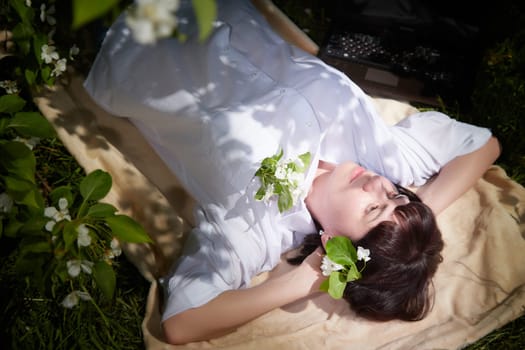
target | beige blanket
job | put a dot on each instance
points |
(479, 287)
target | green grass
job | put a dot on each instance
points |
(31, 319)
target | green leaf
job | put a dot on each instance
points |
(34, 224)
(337, 285)
(38, 41)
(105, 278)
(30, 77)
(261, 192)
(95, 185)
(205, 11)
(22, 34)
(35, 246)
(127, 230)
(70, 233)
(341, 250)
(18, 160)
(11, 103)
(305, 158)
(24, 192)
(26, 13)
(325, 285)
(32, 124)
(101, 210)
(353, 274)
(45, 74)
(85, 11)
(61, 192)
(285, 200)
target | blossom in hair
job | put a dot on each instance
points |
(328, 266)
(363, 254)
(339, 265)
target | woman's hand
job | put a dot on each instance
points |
(236, 307)
(309, 274)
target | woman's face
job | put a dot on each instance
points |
(348, 200)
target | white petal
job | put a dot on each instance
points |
(82, 229)
(6, 203)
(83, 238)
(49, 225)
(115, 247)
(86, 266)
(62, 203)
(142, 30)
(73, 267)
(363, 254)
(83, 295)
(50, 212)
(70, 300)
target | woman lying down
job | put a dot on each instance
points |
(281, 151)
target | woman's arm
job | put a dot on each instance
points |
(457, 176)
(236, 307)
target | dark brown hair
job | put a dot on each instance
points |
(405, 255)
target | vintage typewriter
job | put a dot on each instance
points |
(417, 56)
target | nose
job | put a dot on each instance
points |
(373, 184)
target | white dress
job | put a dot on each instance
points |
(214, 110)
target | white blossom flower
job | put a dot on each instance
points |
(83, 238)
(57, 215)
(280, 171)
(151, 20)
(115, 247)
(72, 298)
(6, 203)
(46, 15)
(75, 266)
(328, 266)
(60, 67)
(30, 142)
(28, 3)
(363, 254)
(286, 176)
(114, 251)
(73, 51)
(9, 86)
(49, 53)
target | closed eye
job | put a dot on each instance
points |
(374, 212)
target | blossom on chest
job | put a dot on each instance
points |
(282, 179)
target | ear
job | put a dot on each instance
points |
(325, 237)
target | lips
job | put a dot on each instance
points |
(356, 173)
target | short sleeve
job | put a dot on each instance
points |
(429, 140)
(206, 268)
